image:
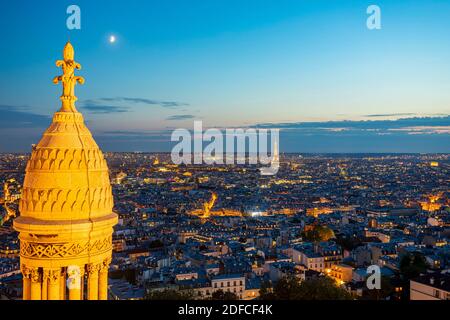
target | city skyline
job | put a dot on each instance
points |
(312, 69)
(352, 204)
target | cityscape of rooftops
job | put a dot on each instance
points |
(354, 203)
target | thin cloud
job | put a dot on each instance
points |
(165, 104)
(389, 115)
(363, 125)
(151, 102)
(122, 104)
(19, 117)
(104, 109)
(135, 133)
(424, 130)
(179, 117)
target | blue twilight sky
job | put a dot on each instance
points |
(311, 68)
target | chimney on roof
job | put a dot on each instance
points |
(432, 280)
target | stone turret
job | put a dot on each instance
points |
(66, 219)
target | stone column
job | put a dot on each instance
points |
(44, 287)
(93, 270)
(103, 280)
(62, 285)
(26, 274)
(74, 277)
(83, 284)
(36, 283)
(53, 283)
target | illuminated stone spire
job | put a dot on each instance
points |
(68, 79)
(66, 216)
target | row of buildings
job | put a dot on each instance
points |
(378, 209)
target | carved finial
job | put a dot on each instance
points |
(68, 52)
(68, 79)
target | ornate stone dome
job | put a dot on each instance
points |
(67, 176)
(66, 219)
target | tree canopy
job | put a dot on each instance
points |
(169, 294)
(412, 265)
(223, 295)
(321, 288)
(318, 233)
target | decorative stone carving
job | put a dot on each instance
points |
(64, 250)
(105, 265)
(35, 275)
(68, 79)
(26, 271)
(75, 200)
(63, 159)
(93, 269)
(52, 275)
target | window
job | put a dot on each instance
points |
(215, 285)
(240, 282)
(228, 283)
(436, 293)
(234, 283)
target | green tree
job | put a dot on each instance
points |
(223, 295)
(322, 288)
(411, 266)
(286, 288)
(169, 294)
(386, 290)
(318, 233)
(155, 244)
(266, 291)
(349, 243)
(130, 275)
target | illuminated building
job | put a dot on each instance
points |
(315, 212)
(432, 203)
(9, 200)
(207, 212)
(430, 287)
(434, 164)
(66, 217)
(119, 177)
(341, 273)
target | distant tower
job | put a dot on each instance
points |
(276, 156)
(66, 219)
